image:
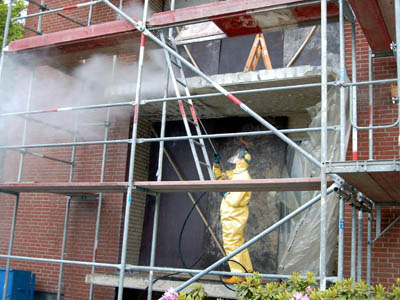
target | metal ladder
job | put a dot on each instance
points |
(194, 144)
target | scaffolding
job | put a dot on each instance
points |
(340, 176)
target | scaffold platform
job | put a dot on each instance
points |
(378, 180)
(67, 47)
(65, 188)
(88, 188)
(211, 284)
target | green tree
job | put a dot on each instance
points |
(16, 30)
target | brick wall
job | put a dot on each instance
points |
(385, 261)
(40, 219)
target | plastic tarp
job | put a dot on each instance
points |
(299, 243)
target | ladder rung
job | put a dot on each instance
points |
(192, 122)
(198, 143)
(176, 64)
(180, 82)
(204, 163)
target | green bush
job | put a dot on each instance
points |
(302, 288)
(196, 293)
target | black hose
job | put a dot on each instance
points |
(179, 249)
(182, 257)
(181, 234)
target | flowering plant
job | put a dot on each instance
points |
(170, 294)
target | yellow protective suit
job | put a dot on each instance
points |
(234, 214)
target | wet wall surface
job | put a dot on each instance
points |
(268, 161)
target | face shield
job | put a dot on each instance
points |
(237, 156)
(234, 159)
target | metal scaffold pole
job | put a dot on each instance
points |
(159, 178)
(353, 103)
(102, 174)
(10, 247)
(360, 246)
(369, 248)
(5, 36)
(63, 245)
(371, 106)
(324, 141)
(67, 209)
(353, 106)
(353, 239)
(397, 20)
(19, 179)
(132, 159)
(342, 134)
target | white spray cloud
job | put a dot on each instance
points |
(86, 84)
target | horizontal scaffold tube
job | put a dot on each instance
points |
(195, 97)
(225, 135)
(52, 11)
(139, 268)
(128, 141)
(63, 109)
(268, 89)
(58, 261)
(378, 81)
(249, 91)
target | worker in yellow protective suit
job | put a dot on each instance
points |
(235, 212)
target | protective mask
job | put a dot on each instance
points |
(234, 159)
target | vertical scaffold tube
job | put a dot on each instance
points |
(25, 128)
(99, 203)
(342, 135)
(159, 178)
(359, 246)
(131, 167)
(64, 243)
(353, 240)
(19, 179)
(324, 138)
(5, 36)
(378, 219)
(10, 247)
(102, 173)
(67, 207)
(369, 249)
(354, 90)
(370, 106)
(40, 18)
(397, 19)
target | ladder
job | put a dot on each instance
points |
(259, 49)
(196, 145)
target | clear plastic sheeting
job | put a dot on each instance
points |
(299, 243)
